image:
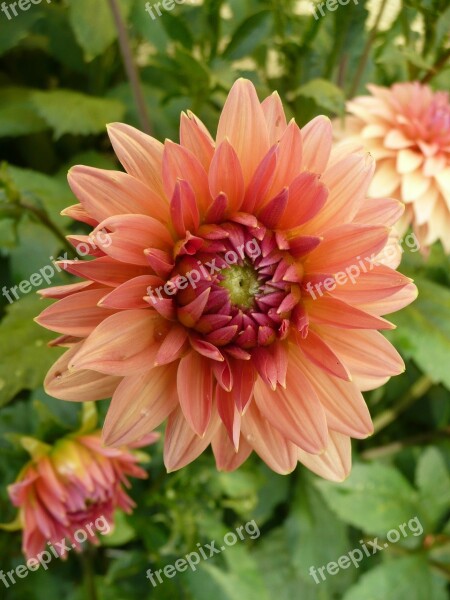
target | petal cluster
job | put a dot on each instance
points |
(218, 298)
(407, 130)
(70, 487)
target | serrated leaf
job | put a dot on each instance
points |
(21, 341)
(433, 482)
(249, 35)
(408, 577)
(66, 111)
(375, 498)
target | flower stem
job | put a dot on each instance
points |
(88, 574)
(130, 67)
(365, 54)
(392, 448)
(437, 67)
(416, 391)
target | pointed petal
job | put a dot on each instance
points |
(317, 140)
(335, 463)
(195, 137)
(242, 122)
(195, 389)
(225, 175)
(275, 117)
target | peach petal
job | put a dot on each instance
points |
(242, 122)
(140, 154)
(195, 137)
(275, 118)
(317, 140)
(195, 390)
(122, 344)
(107, 193)
(225, 176)
(335, 463)
(275, 450)
(140, 404)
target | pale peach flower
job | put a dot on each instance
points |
(246, 359)
(406, 128)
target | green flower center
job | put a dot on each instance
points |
(241, 282)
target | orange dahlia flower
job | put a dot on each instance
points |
(209, 301)
(407, 130)
(68, 492)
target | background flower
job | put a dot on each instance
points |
(406, 128)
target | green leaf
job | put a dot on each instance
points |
(93, 24)
(315, 535)
(249, 35)
(49, 193)
(177, 30)
(22, 341)
(433, 481)
(375, 498)
(17, 114)
(423, 332)
(66, 111)
(325, 94)
(408, 577)
(17, 29)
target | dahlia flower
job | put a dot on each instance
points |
(406, 128)
(205, 302)
(70, 487)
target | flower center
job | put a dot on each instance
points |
(242, 284)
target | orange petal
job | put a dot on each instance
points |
(317, 140)
(195, 137)
(275, 117)
(225, 175)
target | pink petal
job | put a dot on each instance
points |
(275, 117)
(317, 139)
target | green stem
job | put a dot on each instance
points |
(437, 67)
(365, 55)
(130, 67)
(386, 450)
(88, 574)
(416, 391)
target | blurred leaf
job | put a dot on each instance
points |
(16, 30)
(17, 114)
(43, 191)
(308, 530)
(66, 111)
(433, 481)
(122, 533)
(177, 30)
(93, 24)
(249, 35)
(21, 340)
(375, 498)
(407, 577)
(325, 94)
(423, 331)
